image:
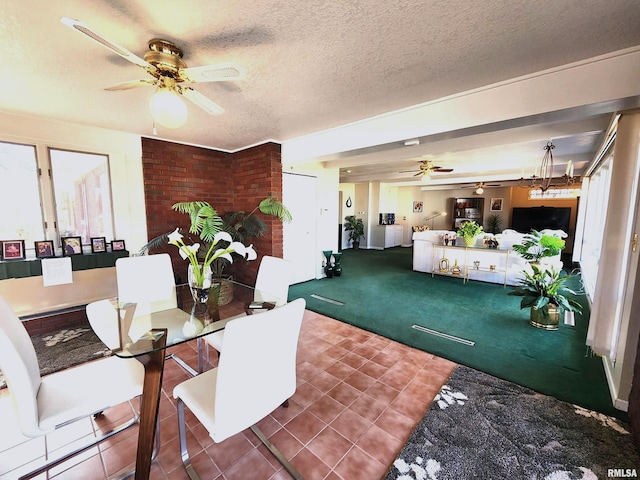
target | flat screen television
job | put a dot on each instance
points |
(525, 219)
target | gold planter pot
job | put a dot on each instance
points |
(550, 322)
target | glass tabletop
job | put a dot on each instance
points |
(134, 328)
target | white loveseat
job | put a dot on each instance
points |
(513, 263)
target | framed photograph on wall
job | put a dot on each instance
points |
(98, 244)
(117, 245)
(71, 246)
(44, 249)
(496, 204)
(12, 249)
(417, 207)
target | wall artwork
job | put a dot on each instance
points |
(417, 207)
(98, 244)
(12, 249)
(44, 249)
(496, 204)
(71, 246)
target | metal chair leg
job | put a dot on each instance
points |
(182, 434)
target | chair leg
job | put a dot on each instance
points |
(182, 434)
(277, 453)
(86, 446)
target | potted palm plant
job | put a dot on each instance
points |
(469, 230)
(355, 227)
(545, 292)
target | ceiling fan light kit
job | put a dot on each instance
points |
(164, 63)
(168, 109)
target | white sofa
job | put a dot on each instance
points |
(514, 264)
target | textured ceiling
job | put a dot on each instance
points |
(310, 66)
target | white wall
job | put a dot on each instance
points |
(125, 163)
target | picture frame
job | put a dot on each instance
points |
(12, 250)
(44, 249)
(98, 244)
(71, 246)
(417, 207)
(117, 245)
(496, 204)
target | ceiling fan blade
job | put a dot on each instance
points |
(212, 73)
(143, 82)
(200, 100)
(441, 170)
(114, 47)
(419, 173)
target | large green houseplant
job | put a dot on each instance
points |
(536, 246)
(545, 292)
(469, 230)
(355, 227)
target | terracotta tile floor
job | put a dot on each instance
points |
(359, 397)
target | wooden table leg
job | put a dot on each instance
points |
(149, 405)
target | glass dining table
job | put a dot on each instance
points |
(145, 329)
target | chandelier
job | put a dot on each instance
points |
(543, 175)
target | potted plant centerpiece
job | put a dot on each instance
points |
(469, 230)
(536, 246)
(545, 292)
(220, 232)
(355, 227)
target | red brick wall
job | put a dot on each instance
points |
(174, 173)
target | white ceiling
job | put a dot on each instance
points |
(316, 65)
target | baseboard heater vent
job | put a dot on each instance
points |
(444, 335)
(325, 299)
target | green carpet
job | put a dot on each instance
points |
(382, 294)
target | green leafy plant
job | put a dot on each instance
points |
(470, 229)
(537, 245)
(355, 227)
(242, 226)
(494, 222)
(546, 286)
(206, 223)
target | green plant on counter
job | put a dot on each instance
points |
(537, 245)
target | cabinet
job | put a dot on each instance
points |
(467, 209)
(470, 263)
(392, 236)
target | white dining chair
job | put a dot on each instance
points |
(44, 404)
(149, 282)
(255, 375)
(271, 290)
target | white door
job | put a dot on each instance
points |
(299, 242)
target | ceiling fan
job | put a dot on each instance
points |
(480, 187)
(426, 168)
(169, 73)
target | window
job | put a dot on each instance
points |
(20, 211)
(82, 194)
(595, 217)
(47, 197)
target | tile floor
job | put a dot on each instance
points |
(359, 397)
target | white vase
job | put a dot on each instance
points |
(200, 285)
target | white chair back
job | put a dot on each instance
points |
(103, 318)
(273, 280)
(19, 364)
(257, 368)
(148, 281)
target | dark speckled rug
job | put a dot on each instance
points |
(65, 348)
(482, 427)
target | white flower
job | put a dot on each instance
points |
(175, 236)
(222, 236)
(251, 253)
